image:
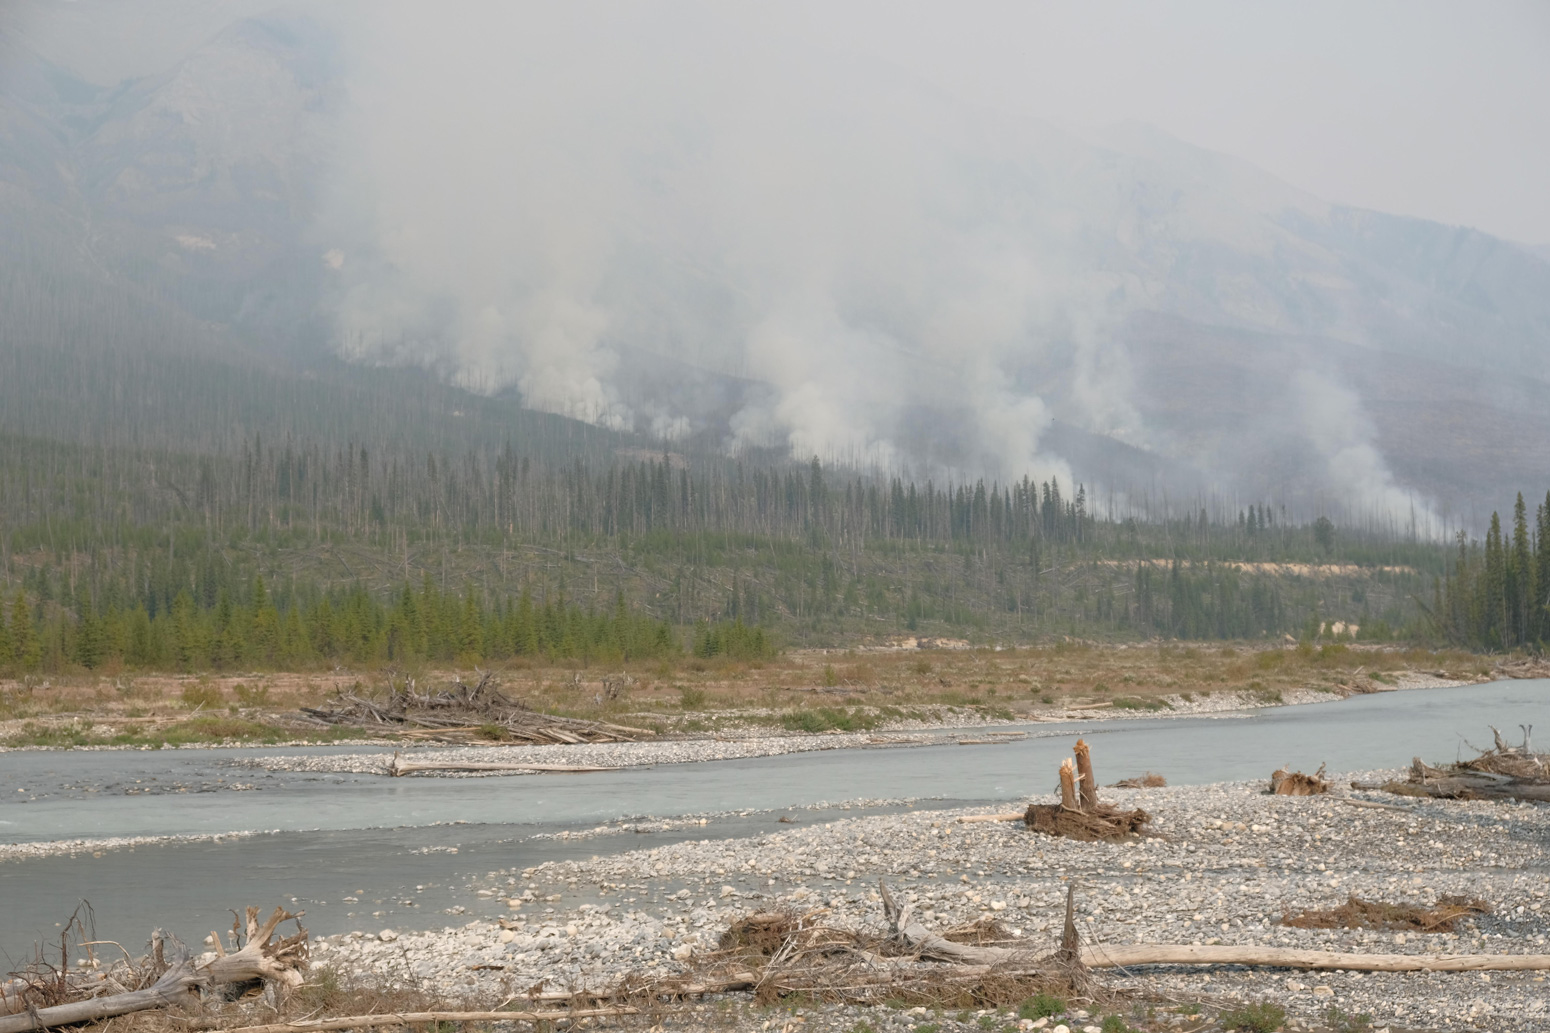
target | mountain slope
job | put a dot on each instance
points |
(923, 285)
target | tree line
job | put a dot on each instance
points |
(1496, 593)
(93, 535)
(314, 628)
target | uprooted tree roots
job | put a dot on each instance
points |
(1295, 783)
(775, 953)
(1359, 913)
(1150, 780)
(44, 997)
(1079, 814)
(1501, 773)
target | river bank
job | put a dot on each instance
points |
(433, 854)
(1223, 864)
(802, 693)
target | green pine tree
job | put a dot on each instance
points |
(7, 654)
(26, 647)
(1493, 589)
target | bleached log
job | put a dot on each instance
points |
(928, 944)
(1087, 782)
(1115, 956)
(1068, 798)
(262, 957)
(417, 1017)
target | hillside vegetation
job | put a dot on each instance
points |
(562, 541)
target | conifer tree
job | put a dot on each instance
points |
(1520, 584)
(1541, 607)
(1492, 598)
(7, 654)
(25, 646)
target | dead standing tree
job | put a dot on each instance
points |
(1080, 814)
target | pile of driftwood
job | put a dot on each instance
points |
(775, 953)
(464, 713)
(1080, 814)
(1295, 783)
(1526, 667)
(1501, 773)
(45, 995)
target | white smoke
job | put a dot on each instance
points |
(1342, 434)
(563, 199)
(528, 192)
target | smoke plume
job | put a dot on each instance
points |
(692, 219)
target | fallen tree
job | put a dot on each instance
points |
(463, 713)
(415, 1018)
(263, 957)
(788, 952)
(1501, 773)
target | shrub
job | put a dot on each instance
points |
(251, 697)
(197, 695)
(1261, 1017)
(733, 640)
(826, 719)
(1340, 1022)
(1041, 1006)
(691, 699)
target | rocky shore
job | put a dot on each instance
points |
(765, 742)
(1224, 863)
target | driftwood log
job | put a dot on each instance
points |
(462, 713)
(415, 1018)
(1501, 773)
(262, 957)
(1100, 956)
(927, 944)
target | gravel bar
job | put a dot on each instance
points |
(1224, 863)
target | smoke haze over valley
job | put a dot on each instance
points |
(722, 229)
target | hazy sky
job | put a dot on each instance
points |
(1440, 110)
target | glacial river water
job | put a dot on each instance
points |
(389, 842)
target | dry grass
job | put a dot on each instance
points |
(1357, 913)
(871, 683)
(1150, 780)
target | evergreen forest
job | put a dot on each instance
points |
(174, 511)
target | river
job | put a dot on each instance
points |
(406, 848)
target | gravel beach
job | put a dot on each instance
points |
(1223, 864)
(763, 742)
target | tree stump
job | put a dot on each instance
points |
(1068, 798)
(1087, 786)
